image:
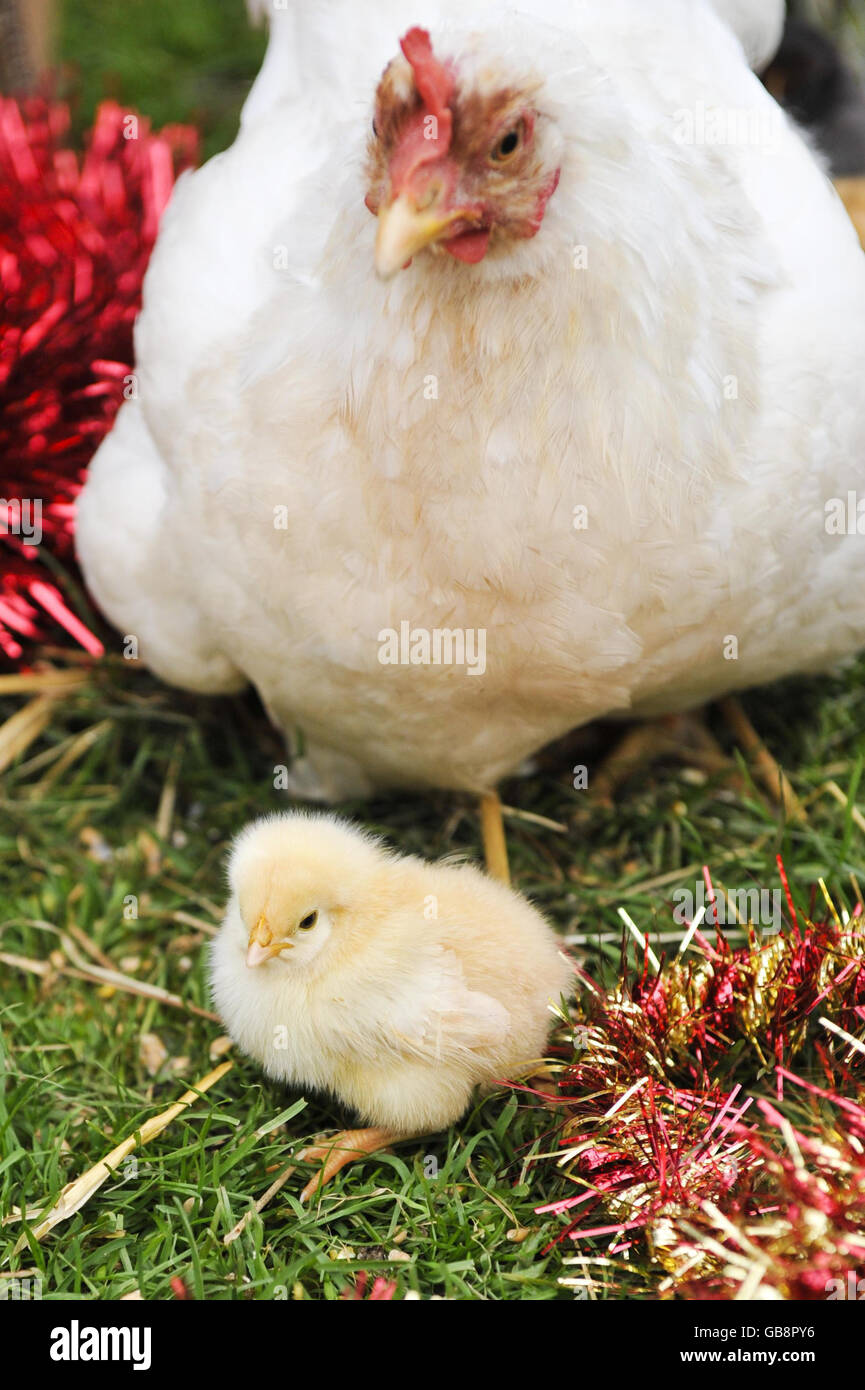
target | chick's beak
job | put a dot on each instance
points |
(404, 230)
(262, 946)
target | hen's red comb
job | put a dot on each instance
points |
(432, 79)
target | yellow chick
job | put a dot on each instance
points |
(394, 985)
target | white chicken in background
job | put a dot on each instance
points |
(597, 424)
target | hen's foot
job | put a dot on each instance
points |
(686, 738)
(682, 736)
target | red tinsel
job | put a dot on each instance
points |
(75, 238)
(730, 1194)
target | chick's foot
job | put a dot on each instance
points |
(343, 1149)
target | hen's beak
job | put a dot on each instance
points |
(262, 946)
(403, 231)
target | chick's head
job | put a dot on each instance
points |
(294, 879)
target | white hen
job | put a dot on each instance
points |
(606, 450)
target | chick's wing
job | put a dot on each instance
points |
(440, 1018)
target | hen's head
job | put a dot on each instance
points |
(461, 160)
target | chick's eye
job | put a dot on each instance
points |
(309, 921)
(507, 147)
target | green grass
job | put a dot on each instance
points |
(75, 849)
(191, 61)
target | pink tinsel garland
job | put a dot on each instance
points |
(75, 238)
(725, 1190)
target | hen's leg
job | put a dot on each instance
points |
(493, 835)
(852, 191)
(757, 754)
(343, 1149)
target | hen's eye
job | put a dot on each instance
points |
(375, 127)
(508, 145)
(308, 921)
